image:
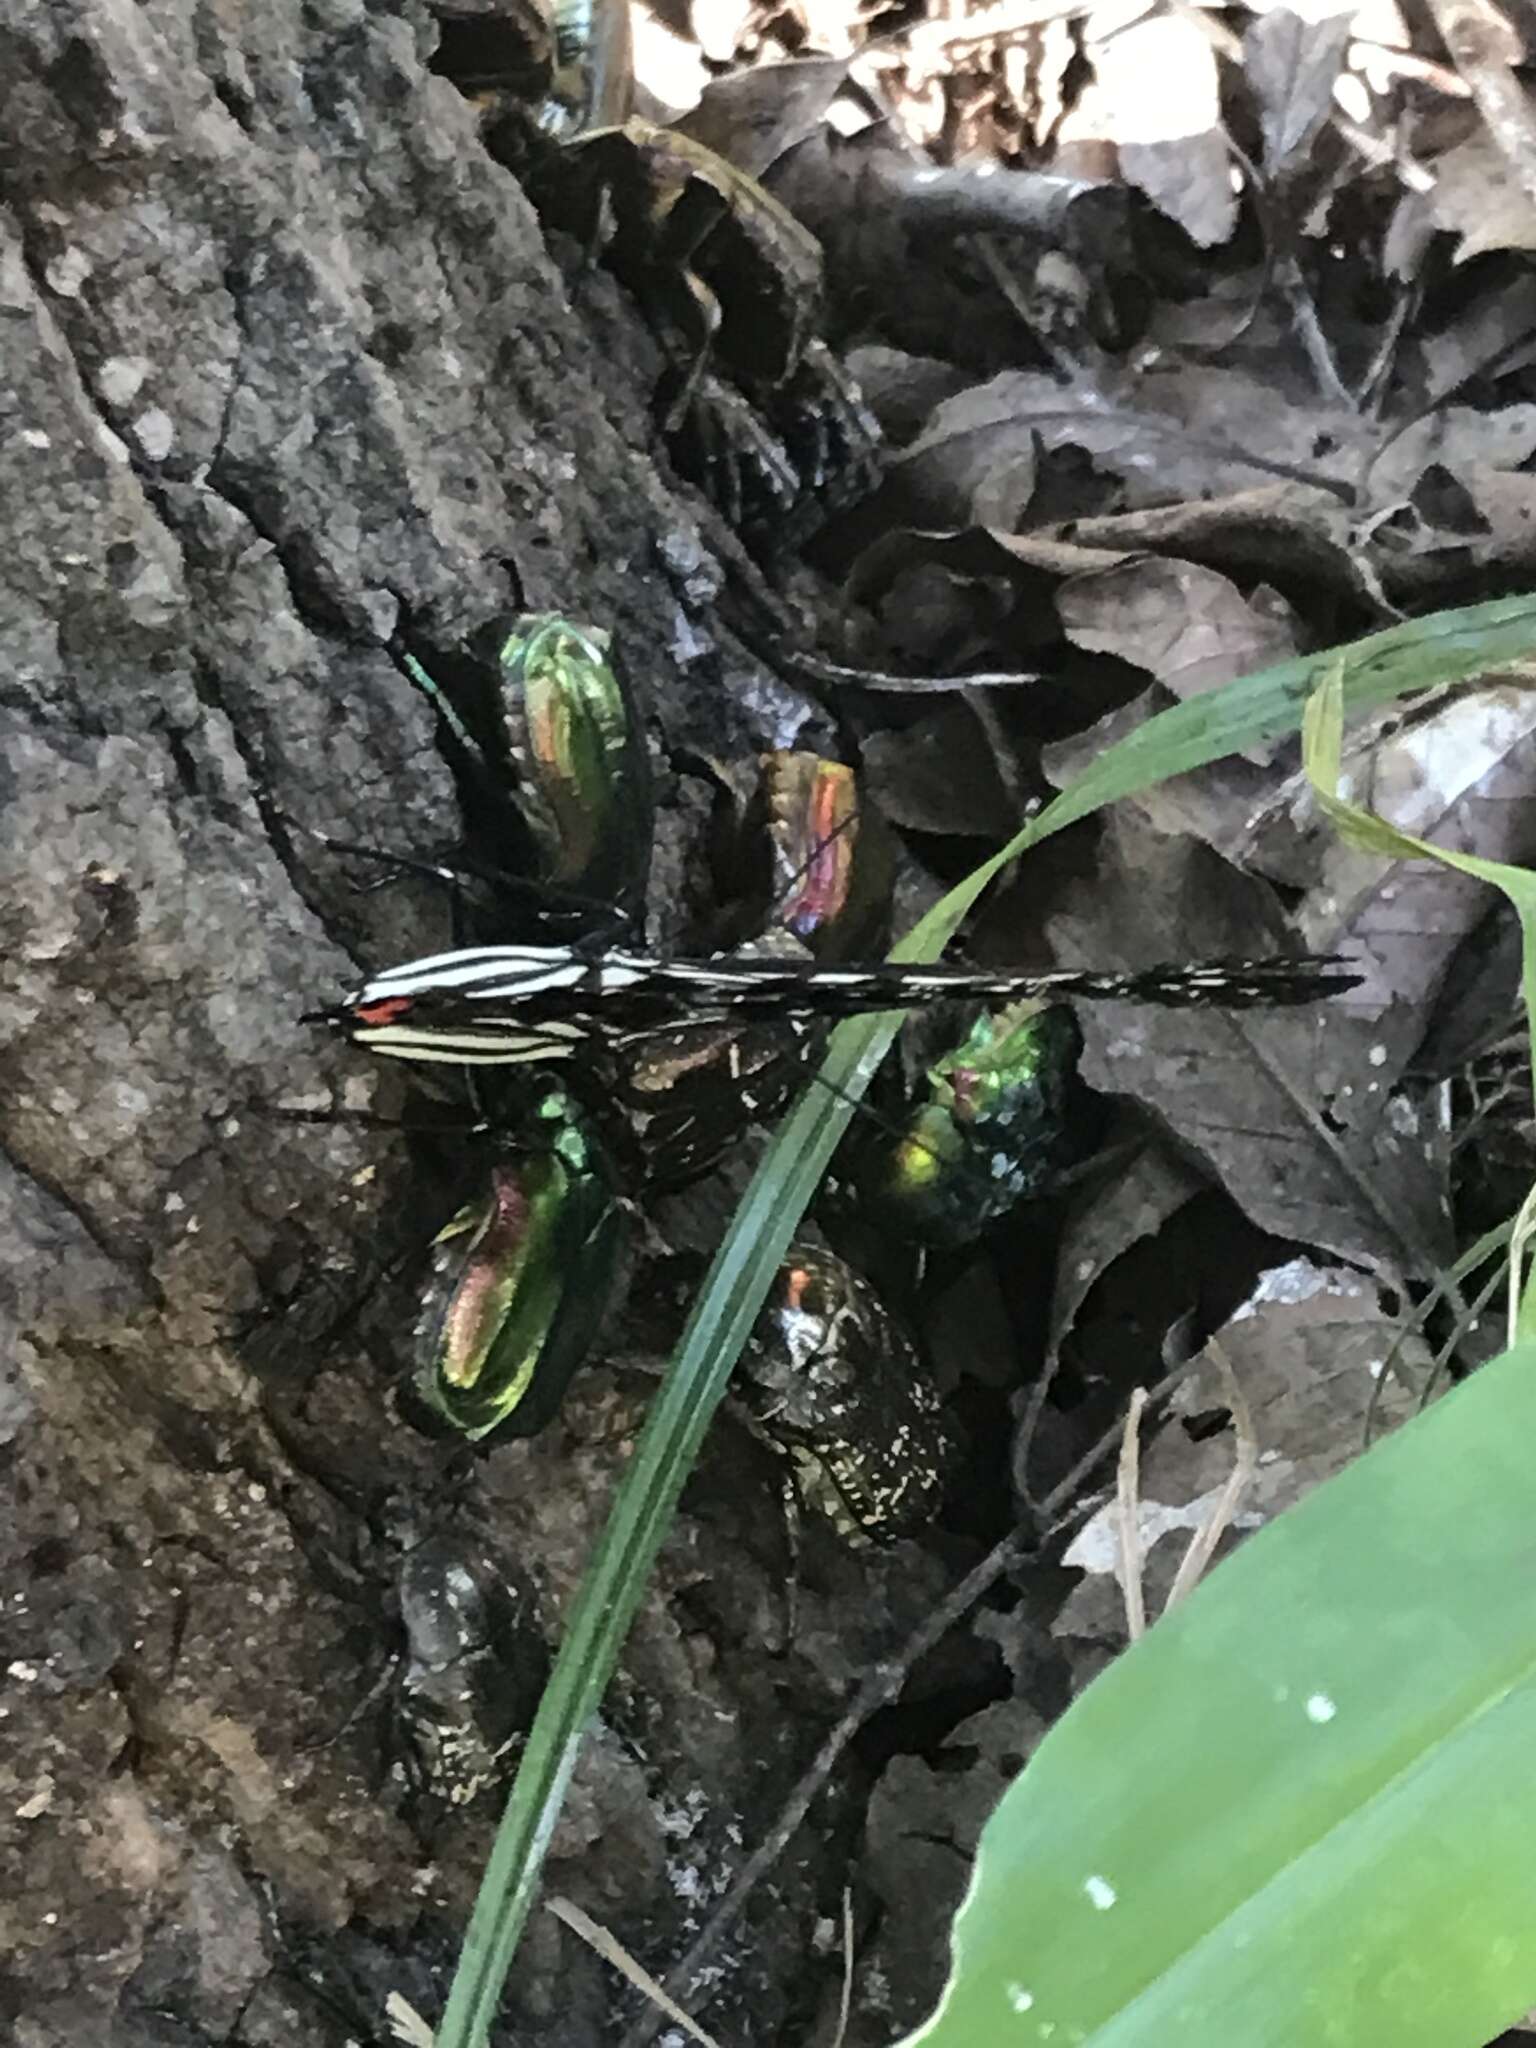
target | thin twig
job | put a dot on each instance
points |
(603, 1943)
(1128, 1519)
(1467, 1315)
(1202, 1544)
(1034, 1408)
(845, 2003)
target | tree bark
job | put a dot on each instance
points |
(286, 364)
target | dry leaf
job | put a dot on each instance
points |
(1131, 1204)
(973, 465)
(940, 775)
(1213, 804)
(1478, 196)
(1192, 627)
(752, 118)
(1160, 104)
(1463, 774)
(1308, 1348)
(1287, 1108)
(901, 389)
(1178, 432)
(1291, 62)
(1282, 530)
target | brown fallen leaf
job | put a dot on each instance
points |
(1213, 804)
(1191, 626)
(1158, 100)
(1290, 532)
(1287, 1109)
(974, 464)
(941, 774)
(1176, 432)
(1115, 1213)
(1292, 62)
(1307, 1349)
(1479, 197)
(902, 389)
(752, 118)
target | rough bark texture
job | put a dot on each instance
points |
(283, 360)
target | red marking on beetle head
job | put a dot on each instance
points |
(796, 1282)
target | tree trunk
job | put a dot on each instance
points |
(287, 364)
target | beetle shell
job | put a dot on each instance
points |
(821, 868)
(680, 211)
(832, 439)
(832, 1379)
(834, 858)
(794, 844)
(717, 440)
(474, 1669)
(987, 1132)
(694, 1090)
(521, 1280)
(541, 728)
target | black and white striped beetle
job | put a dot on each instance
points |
(511, 1005)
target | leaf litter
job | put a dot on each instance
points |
(1187, 372)
(1200, 340)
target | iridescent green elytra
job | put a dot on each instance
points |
(521, 1281)
(549, 751)
(986, 1132)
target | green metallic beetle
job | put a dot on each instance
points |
(986, 1132)
(522, 1280)
(540, 726)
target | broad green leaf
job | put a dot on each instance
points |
(1301, 1811)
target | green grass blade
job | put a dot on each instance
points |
(1442, 648)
